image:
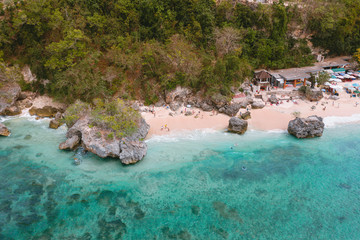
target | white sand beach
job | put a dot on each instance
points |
(271, 117)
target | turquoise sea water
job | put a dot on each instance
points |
(189, 186)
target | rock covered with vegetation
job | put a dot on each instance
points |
(310, 127)
(4, 131)
(108, 129)
(237, 125)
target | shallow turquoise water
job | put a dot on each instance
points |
(190, 186)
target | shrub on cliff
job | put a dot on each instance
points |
(75, 111)
(114, 116)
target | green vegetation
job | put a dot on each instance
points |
(114, 116)
(75, 111)
(322, 78)
(139, 49)
(357, 55)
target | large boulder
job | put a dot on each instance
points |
(206, 107)
(314, 95)
(219, 100)
(231, 110)
(179, 94)
(9, 93)
(12, 111)
(257, 104)
(237, 125)
(44, 106)
(70, 143)
(54, 124)
(245, 101)
(4, 131)
(246, 115)
(130, 149)
(310, 127)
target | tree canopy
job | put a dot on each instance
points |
(138, 49)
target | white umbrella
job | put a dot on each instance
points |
(335, 80)
(340, 77)
(327, 84)
(337, 87)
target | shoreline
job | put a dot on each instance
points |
(270, 118)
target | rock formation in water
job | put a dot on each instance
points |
(310, 127)
(4, 131)
(129, 149)
(237, 125)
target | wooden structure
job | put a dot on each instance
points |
(262, 79)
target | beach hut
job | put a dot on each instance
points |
(262, 79)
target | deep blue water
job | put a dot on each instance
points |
(200, 185)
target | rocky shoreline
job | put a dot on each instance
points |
(131, 149)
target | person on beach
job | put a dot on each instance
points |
(356, 104)
(324, 108)
(162, 127)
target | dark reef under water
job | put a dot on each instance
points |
(186, 188)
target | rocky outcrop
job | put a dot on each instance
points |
(246, 115)
(130, 149)
(219, 100)
(245, 101)
(54, 124)
(12, 111)
(179, 94)
(257, 104)
(29, 77)
(237, 125)
(47, 111)
(70, 143)
(4, 131)
(206, 107)
(230, 110)
(174, 106)
(44, 106)
(9, 93)
(310, 127)
(314, 95)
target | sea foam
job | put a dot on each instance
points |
(333, 121)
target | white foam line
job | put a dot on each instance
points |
(183, 135)
(24, 114)
(333, 121)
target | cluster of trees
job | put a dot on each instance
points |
(141, 48)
